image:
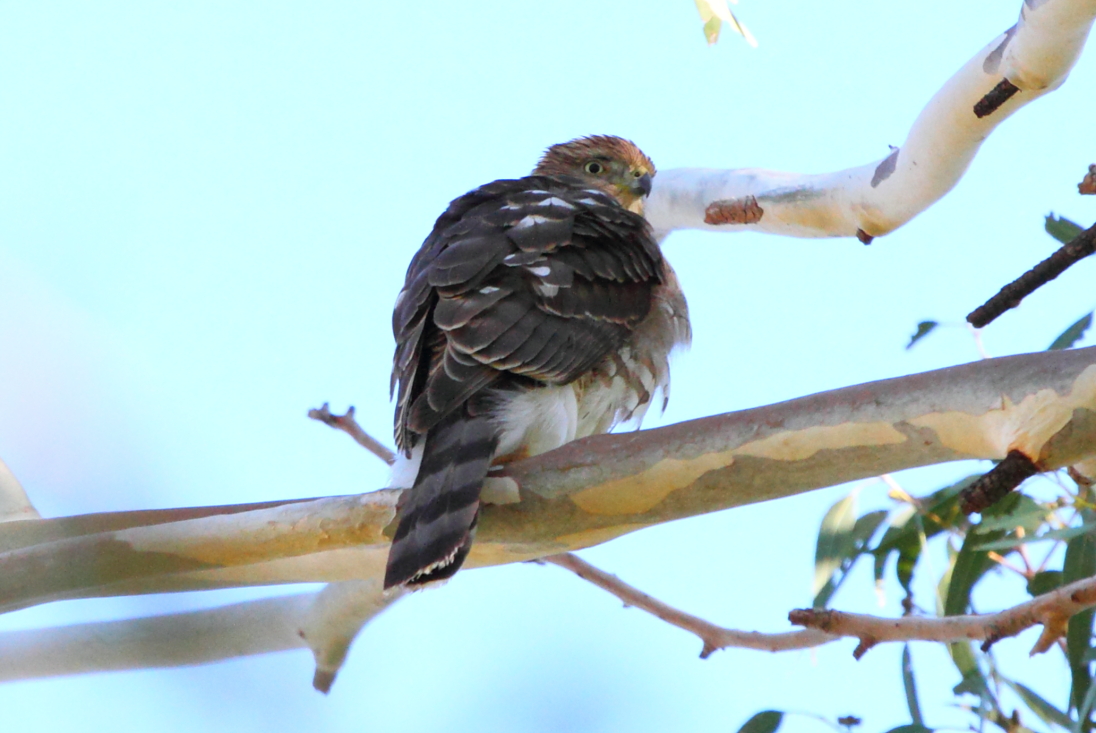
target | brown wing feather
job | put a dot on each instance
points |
(537, 278)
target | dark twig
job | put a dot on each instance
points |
(993, 100)
(997, 483)
(349, 425)
(1081, 246)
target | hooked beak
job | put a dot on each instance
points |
(642, 185)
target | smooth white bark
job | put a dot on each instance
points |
(1036, 55)
(324, 622)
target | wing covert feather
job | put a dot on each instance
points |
(538, 277)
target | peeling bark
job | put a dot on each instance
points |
(599, 488)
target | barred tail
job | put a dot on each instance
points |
(438, 520)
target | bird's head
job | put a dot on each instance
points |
(610, 163)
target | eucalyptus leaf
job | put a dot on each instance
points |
(1073, 334)
(1066, 533)
(1022, 512)
(1084, 710)
(924, 328)
(1046, 712)
(910, 686)
(1062, 229)
(972, 563)
(767, 721)
(1044, 582)
(835, 543)
(1080, 563)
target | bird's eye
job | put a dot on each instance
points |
(594, 167)
(637, 174)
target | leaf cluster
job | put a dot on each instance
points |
(1060, 526)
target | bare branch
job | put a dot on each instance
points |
(1081, 246)
(714, 637)
(1052, 610)
(1030, 59)
(349, 425)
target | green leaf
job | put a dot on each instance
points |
(835, 544)
(1025, 512)
(1046, 712)
(909, 530)
(767, 721)
(970, 565)
(1066, 533)
(1062, 228)
(923, 330)
(1085, 710)
(1073, 334)
(910, 686)
(904, 538)
(861, 534)
(910, 728)
(973, 562)
(1080, 563)
(1044, 582)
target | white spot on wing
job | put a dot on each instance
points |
(555, 201)
(488, 290)
(531, 221)
(542, 271)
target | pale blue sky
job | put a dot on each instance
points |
(206, 210)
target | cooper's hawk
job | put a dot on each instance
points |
(539, 310)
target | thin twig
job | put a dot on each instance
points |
(349, 425)
(1052, 610)
(714, 637)
(1081, 246)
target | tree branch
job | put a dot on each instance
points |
(593, 490)
(713, 637)
(349, 425)
(171, 640)
(1033, 57)
(1052, 610)
(1081, 246)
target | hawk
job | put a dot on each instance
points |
(539, 310)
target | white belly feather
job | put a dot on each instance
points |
(618, 390)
